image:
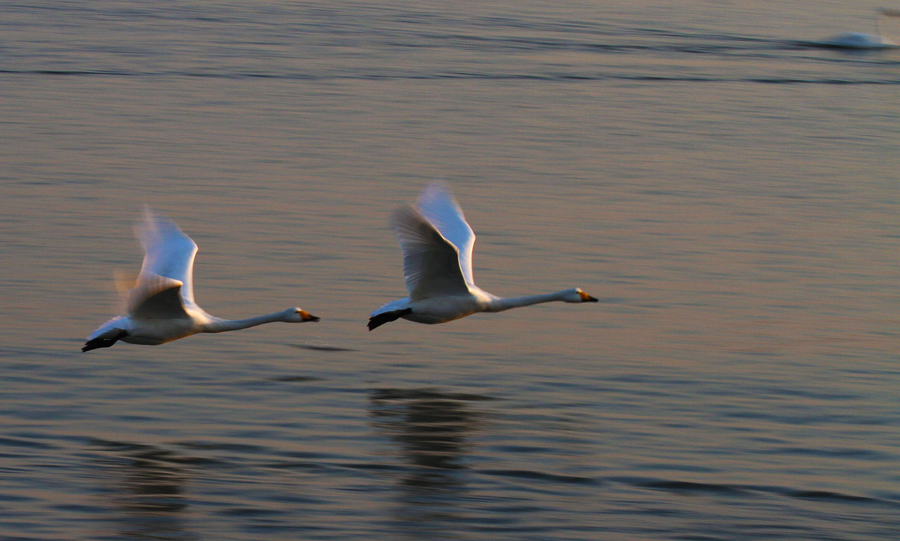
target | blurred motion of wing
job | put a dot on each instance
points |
(890, 16)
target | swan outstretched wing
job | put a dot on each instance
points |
(156, 297)
(431, 263)
(439, 206)
(168, 252)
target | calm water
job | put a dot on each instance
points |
(728, 189)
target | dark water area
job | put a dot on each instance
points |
(724, 184)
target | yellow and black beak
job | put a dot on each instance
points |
(586, 298)
(306, 316)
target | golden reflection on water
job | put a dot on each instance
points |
(145, 490)
(432, 432)
(731, 199)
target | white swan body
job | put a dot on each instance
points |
(160, 307)
(437, 247)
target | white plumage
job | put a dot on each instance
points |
(160, 306)
(437, 245)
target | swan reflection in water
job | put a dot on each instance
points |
(145, 486)
(432, 431)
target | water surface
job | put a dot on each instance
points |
(724, 186)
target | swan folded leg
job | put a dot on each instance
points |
(386, 317)
(105, 340)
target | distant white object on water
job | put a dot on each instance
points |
(160, 307)
(437, 247)
(862, 40)
(859, 40)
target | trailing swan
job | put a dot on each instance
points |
(160, 307)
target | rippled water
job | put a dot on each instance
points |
(727, 187)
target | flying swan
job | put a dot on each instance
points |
(160, 307)
(437, 265)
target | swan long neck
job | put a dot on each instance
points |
(501, 304)
(223, 325)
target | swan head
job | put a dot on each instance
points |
(297, 315)
(578, 295)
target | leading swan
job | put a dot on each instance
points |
(160, 307)
(437, 246)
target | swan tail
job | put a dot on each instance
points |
(386, 317)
